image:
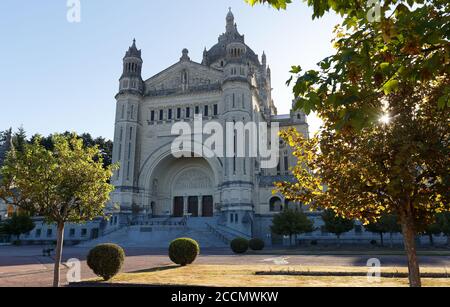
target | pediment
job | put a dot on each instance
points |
(184, 72)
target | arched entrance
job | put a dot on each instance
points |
(192, 192)
(180, 187)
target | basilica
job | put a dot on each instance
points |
(231, 83)
(160, 195)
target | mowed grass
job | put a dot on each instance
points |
(244, 276)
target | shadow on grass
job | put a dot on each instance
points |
(157, 269)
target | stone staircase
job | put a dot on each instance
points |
(159, 236)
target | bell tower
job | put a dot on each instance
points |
(126, 150)
(132, 69)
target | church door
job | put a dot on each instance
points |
(178, 207)
(207, 209)
(193, 206)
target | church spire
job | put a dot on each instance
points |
(133, 51)
(132, 69)
(231, 26)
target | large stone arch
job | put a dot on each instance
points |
(160, 171)
(165, 152)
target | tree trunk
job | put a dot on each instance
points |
(58, 254)
(339, 240)
(409, 239)
(382, 239)
(391, 239)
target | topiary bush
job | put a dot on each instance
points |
(106, 260)
(183, 251)
(239, 245)
(256, 244)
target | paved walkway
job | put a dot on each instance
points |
(25, 266)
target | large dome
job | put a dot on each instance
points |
(231, 36)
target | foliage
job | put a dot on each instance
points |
(375, 57)
(239, 245)
(106, 260)
(18, 224)
(396, 66)
(278, 4)
(63, 185)
(443, 220)
(432, 230)
(290, 222)
(336, 224)
(256, 244)
(400, 168)
(387, 223)
(4, 136)
(104, 146)
(19, 139)
(397, 168)
(184, 251)
(66, 184)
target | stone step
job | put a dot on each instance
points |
(148, 236)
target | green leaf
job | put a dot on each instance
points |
(390, 86)
(385, 66)
(443, 102)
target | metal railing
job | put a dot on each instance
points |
(218, 234)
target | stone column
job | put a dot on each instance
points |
(200, 205)
(185, 204)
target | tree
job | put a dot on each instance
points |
(392, 67)
(443, 220)
(387, 223)
(400, 168)
(4, 136)
(336, 224)
(380, 49)
(290, 223)
(105, 146)
(67, 184)
(18, 224)
(432, 230)
(19, 139)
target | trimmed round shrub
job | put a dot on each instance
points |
(239, 245)
(183, 251)
(314, 242)
(106, 260)
(373, 242)
(256, 244)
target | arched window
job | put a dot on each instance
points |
(275, 204)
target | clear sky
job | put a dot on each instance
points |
(58, 76)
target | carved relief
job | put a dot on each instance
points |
(193, 179)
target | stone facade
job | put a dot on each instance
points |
(230, 84)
